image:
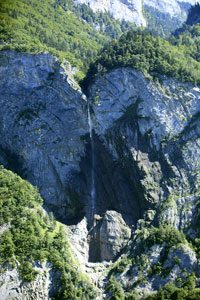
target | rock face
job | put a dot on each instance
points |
(153, 131)
(145, 140)
(42, 288)
(45, 139)
(180, 261)
(105, 239)
(114, 235)
(129, 10)
(78, 238)
(43, 120)
(172, 7)
(144, 149)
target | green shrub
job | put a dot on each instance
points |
(115, 289)
(32, 235)
(165, 233)
(27, 272)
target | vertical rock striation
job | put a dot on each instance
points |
(152, 131)
(43, 120)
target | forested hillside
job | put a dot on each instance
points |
(30, 235)
(153, 55)
(188, 35)
(67, 31)
(159, 23)
(74, 32)
(34, 27)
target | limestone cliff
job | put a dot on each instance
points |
(128, 10)
(172, 7)
(43, 120)
(152, 130)
(140, 155)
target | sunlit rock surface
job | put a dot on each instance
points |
(129, 10)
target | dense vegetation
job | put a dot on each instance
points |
(58, 27)
(193, 15)
(180, 291)
(184, 291)
(38, 26)
(105, 23)
(68, 31)
(145, 52)
(188, 38)
(32, 235)
(159, 23)
(164, 233)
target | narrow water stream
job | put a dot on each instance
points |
(92, 188)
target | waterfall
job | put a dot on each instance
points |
(92, 188)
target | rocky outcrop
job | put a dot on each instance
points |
(114, 235)
(108, 235)
(45, 139)
(78, 238)
(152, 129)
(172, 7)
(43, 288)
(128, 10)
(150, 272)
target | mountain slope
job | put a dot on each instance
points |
(188, 36)
(38, 27)
(62, 28)
(34, 247)
(172, 7)
(152, 128)
(142, 157)
(119, 165)
(127, 10)
(145, 52)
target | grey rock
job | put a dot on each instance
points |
(128, 10)
(114, 235)
(145, 149)
(78, 238)
(172, 7)
(153, 130)
(43, 120)
(186, 258)
(43, 288)
(154, 108)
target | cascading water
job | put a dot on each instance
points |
(92, 188)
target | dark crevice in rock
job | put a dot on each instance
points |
(12, 161)
(94, 240)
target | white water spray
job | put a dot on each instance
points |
(92, 189)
